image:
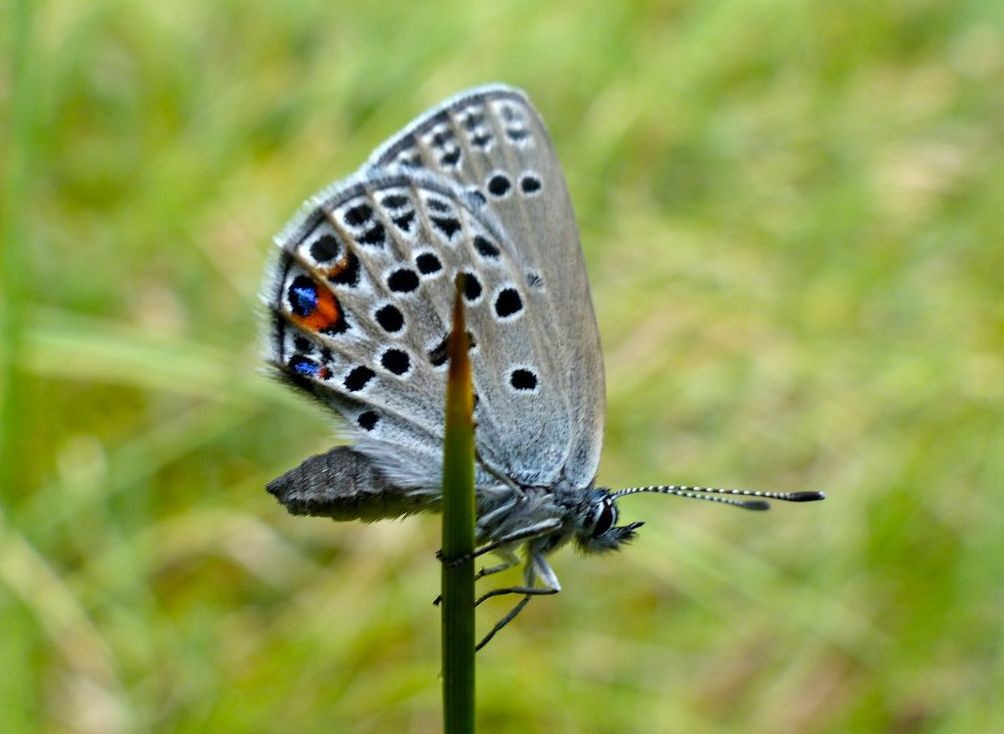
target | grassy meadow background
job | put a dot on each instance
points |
(792, 218)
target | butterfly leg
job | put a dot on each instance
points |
(537, 564)
(529, 532)
(510, 616)
(509, 559)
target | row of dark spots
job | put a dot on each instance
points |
(374, 236)
(507, 303)
(397, 362)
(444, 143)
(361, 215)
(405, 280)
(478, 134)
(401, 212)
(499, 184)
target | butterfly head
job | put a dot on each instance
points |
(597, 530)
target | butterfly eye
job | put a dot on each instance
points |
(607, 517)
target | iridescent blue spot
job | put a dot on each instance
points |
(303, 366)
(303, 296)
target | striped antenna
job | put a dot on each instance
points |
(724, 496)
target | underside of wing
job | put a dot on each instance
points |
(360, 298)
(494, 145)
(344, 484)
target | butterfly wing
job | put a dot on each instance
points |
(360, 299)
(494, 145)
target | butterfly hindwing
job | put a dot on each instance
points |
(361, 297)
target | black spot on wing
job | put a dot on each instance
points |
(485, 247)
(448, 226)
(530, 184)
(472, 288)
(390, 318)
(358, 215)
(396, 361)
(357, 379)
(325, 248)
(428, 263)
(403, 280)
(374, 236)
(508, 303)
(499, 185)
(394, 201)
(523, 380)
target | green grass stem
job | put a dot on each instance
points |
(458, 533)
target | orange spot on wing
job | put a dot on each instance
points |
(327, 314)
(338, 268)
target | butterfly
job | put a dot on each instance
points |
(359, 298)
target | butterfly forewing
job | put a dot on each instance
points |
(494, 145)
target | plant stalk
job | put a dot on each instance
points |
(458, 533)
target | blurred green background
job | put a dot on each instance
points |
(791, 214)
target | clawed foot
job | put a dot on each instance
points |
(453, 562)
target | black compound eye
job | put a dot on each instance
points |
(606, 519)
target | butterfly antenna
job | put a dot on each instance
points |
(724, 496)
